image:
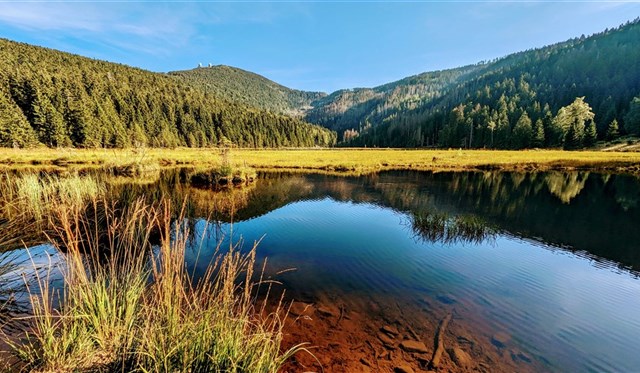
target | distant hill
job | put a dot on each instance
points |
(360, 108)
(59, 99)
(513, 102)
(249, 88)
(571, 94)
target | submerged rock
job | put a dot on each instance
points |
(446, 299)
(520, 356)
(414, 346)
(328, 311)
(301, 309)
(390, 329)
(403, 368)
(386, 340)
(460, 357)
(500, 339)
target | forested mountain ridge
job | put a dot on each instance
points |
(60, 99)
(569, 94)
(341, 110)
(356, 109)
(249, 88)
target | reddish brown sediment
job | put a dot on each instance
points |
(380, 334)
(374, 333)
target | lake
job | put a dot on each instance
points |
(538, 270)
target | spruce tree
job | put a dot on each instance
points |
(590, 135)
(15, 130)
(522, 132)
(632, 119)
(613, 132)
(538, 134)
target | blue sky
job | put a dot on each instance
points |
(306, 45)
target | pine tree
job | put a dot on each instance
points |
(632, 119)
(15, 130)
(503, 127)
(49, 123)
(491, 126)
(522, 132)
(573, 139)
(591, 135)
(538, 134)
(572, 119)
(613, 132)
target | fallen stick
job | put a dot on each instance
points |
(413, 333)
(342, 311)
(439, 342)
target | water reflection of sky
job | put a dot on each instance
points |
(25, 265)
(356, 237)
(556, 304)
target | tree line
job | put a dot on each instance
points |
(58, 99)
(248, 88)
(569, 95)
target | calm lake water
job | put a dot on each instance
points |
(548, 258)
(552, 266)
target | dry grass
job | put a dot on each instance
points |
(332, 160)
(31, 195)
(128, 305)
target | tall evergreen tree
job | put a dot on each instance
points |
(632, 119)
(522, 132)
(15, 130)
(590, 135)
(538, 134)
(572, 119)
(613, 132)
(48, 122)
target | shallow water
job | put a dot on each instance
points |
(551, 259)
(547, 269)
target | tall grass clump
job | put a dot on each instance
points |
(133, 163)
(210, 325)
(129, 305)
(36, 195)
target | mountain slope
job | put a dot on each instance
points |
(359, 108)
(342, 110)
(513, 102)
(59, 99)
(249, 88)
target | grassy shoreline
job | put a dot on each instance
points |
(125, 299)
(332, 160)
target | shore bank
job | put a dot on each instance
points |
(331, 160)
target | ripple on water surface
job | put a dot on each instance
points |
(555, 304)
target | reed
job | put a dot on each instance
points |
(128, 305)
(36, 195)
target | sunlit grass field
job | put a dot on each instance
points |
(338, 160)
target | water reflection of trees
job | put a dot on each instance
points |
(580, 210)
(442, 227)
(586, 211)
(567, 185)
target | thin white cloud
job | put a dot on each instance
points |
(42, 16)
(150, 28)
(154, 28)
